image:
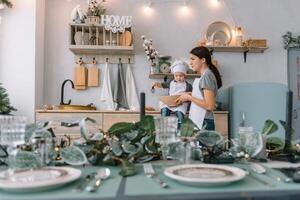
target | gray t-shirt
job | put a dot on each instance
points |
(208, 81)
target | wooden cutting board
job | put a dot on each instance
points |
(125, 39)
(93, 76)
(80, 77)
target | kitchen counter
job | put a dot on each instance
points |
(104, 119)
(108, 111)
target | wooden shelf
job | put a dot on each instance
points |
(98, 50)
(160, 75)
(237, 49)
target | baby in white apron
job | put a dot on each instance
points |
(176, 87)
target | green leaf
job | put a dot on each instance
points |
(3, 152)
(275, 144)
(145, 158)
(187, 128)
(269, 127)
(83, 129)
(131, 135)
(116, 147)
(283, 123)
(128, 169)
(73, 155)
(97, 137)
(146, 139)
(147, 124)
(120, 128)
(209, 138)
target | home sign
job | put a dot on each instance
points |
(115, 23)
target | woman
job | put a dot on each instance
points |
(203, 96)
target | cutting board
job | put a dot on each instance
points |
(80, 77)
(93, 76)
(126, 39)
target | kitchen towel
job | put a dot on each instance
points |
(106, 95)
(131, 94)
(119, 91)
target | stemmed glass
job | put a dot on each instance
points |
(166, 129)
(12, 134)
(247, 144)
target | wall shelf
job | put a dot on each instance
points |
(88, 41)
(237, 49)
(100, 49)
(161, 76)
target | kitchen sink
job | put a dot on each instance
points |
(76, 107)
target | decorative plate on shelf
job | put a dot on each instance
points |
(205, 174)
(29, 180)
(219, 31)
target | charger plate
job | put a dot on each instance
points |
(37, 179)
(205, 174)
(219, 31)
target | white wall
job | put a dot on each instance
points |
(39, 53)
(175, 35)
(17, 55)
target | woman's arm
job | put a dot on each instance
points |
(208, 102)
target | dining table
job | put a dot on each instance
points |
(140, 187)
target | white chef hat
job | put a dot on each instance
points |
(179, 66)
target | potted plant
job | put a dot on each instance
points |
(5, 107)
(95, 10)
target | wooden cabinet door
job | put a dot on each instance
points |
(110, 119)
(59, 130)
(221, 123)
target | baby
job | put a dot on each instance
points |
(176, 87)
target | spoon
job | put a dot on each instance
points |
(102, 174)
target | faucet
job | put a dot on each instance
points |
(62, 92)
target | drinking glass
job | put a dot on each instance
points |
(12, 134)
(166, 129)
(249, 142)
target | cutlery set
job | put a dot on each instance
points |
(256, 169)
(149, 171)
(92, 181)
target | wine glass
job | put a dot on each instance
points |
(12, 134)
(166, 129)
(247, 144)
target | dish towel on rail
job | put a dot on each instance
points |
(106, 95)
(131, 94)
(119, 91)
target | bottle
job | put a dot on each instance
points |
(239, 36)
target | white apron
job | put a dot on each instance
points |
(176, 89)
(197, 113)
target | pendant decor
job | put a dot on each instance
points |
(115, 23)
(290, 41)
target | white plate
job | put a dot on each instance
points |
(37, 179)
(219, 30)
(205, 174)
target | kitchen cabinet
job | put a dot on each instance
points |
(105, 119)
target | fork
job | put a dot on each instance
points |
(149, 171)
